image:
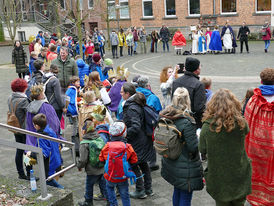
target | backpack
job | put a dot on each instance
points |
(32, 82)
(45, 88)
(151, 118)
(95, 147)
(168, 141)
(117, 166)
(12, 120)
(264, 32)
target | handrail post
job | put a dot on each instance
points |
(42, 175)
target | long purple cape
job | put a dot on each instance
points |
(115, 95)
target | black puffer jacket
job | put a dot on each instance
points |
(20, 59)
(133, 116)
(53, 91)
(196, 92)
(185, 173)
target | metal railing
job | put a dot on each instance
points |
(38, 150)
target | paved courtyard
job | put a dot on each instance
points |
(237, 72)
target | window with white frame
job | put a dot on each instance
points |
(111, 10)
(263, 5)
(193, 7)
(170, 9)
(90, 4)
(228, 6)
(147, 8)
(124, 11)
(81, 4)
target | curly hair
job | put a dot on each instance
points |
(224, 109)
(18, 85)
(267, 76)
(35, 91)
(163, 74)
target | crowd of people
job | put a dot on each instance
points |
(109, 120)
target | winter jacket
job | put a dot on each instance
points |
(142, 36)
(184, 173)
(72, 107)
(164, 34)
(228, 172)
(196, 92)
(114, 39)
(42, 39)
(97, 67)
(133, 117)
(31, 66)
(131, 157)
(19, 58)
(78, 49)
(83, 69)
(67, 69)
(89, 48)
(84, 156)
(130, 40)
(152, 99)
(268, 33)
(53, 91)
(22, 104)
(243, 33)
(122, 39)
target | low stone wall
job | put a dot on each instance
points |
(16, 190)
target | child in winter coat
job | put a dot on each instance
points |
(94, 173)
(207, 83)
(117, 144)
(83, 69)
(72, 110)
(50, 149)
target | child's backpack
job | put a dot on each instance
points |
(95, 147)
(168, 142)
(117, 166)
(32, 82)
(45, 88)
(12, 120)
(151, 118)
(264, 32)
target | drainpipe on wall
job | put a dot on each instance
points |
(272, 14)
(214, 3)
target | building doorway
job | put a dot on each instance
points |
(92, 25)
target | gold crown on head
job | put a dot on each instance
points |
(122, 73)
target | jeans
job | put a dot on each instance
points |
(114, 51)
(142, 182)
(90, 181)
(181, 198)
(130, 50)
(123, 190)
(267, 43)
(238, 202)
(135, 46)
(246, 45)
(164, 47)
(20, 138)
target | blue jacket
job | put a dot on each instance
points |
(83, 69)
(96, 67)
(152, 99)
(100, 39)
(78, 49)
(72, 107)
(102, 130)
(31, 66)
(55, 157)
(42, 39)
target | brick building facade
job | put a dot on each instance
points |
(152, 14)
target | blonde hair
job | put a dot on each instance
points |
(181, 99)
(224, 109)
(89, 96)
(35, 91)
(207, 82)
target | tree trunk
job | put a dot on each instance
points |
(79, 26)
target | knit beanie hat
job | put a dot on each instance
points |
(192, 64)
(108, 62)
(96, 57)
(117, 129)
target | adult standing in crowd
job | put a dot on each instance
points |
(114, 40)
(196, 90)
(67, 67)
(266, 35)
(136, 38)
(164, 37)
(122, 41)
(228, 38)
(154, 41)
(222, 140)
(259, 114)
(18, 102)
(184, 173)
(96, 40)
(20, 59)
(143, 39)
(40, 36)
(37, 46)
(133, 116)
(243, 35)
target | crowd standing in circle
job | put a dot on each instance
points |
(94, 96)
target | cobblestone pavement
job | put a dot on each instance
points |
(237, 72)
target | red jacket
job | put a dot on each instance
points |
(131, 158)
(31, 47)
(268, 35)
